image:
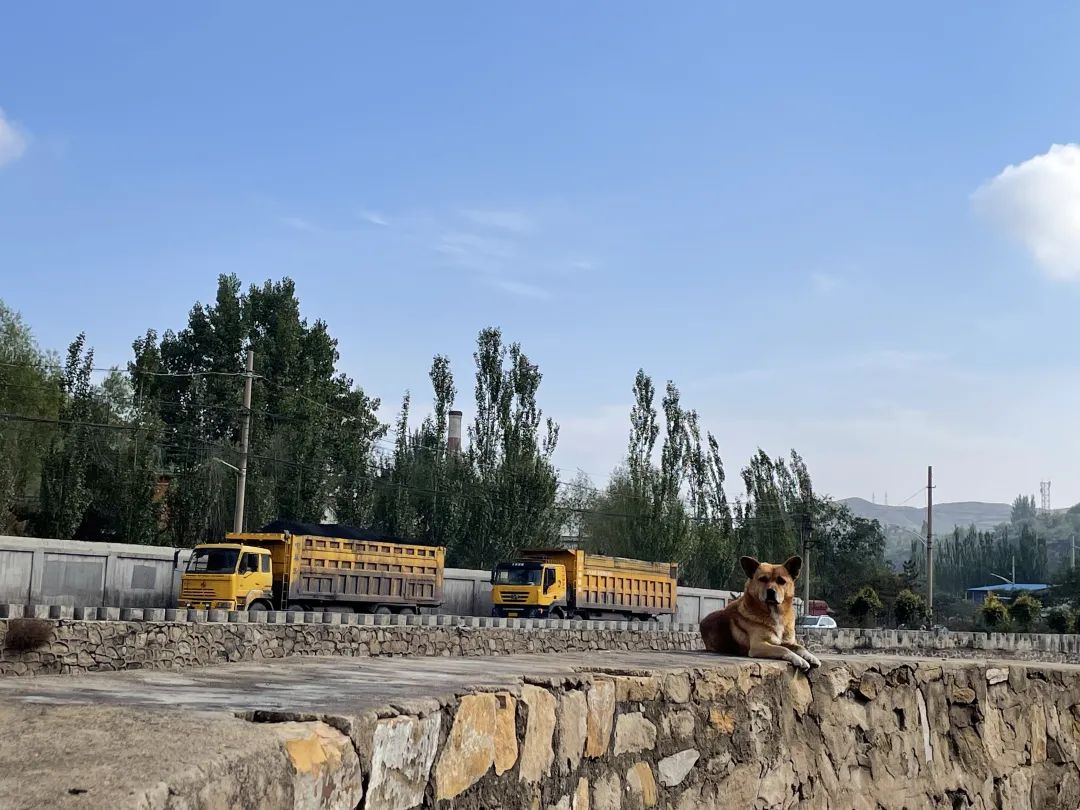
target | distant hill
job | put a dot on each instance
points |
(946, 515)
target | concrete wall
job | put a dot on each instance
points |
(68, 572)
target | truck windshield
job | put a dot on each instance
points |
(517, 576)
(213, 560)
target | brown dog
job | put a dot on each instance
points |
(761, 622)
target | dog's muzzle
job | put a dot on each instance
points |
(771, 597)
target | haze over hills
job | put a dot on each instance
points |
(946, 515)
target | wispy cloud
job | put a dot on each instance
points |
(373, 217)
(13, 140)
(477, 252)
(301, 224)
(824, 283)
(512, 221)
(1037, 202)
(520, 288)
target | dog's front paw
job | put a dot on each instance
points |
(799, 663)
(811, 659)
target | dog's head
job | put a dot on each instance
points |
(771, 584)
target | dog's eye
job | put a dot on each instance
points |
(763, 579)
(779, 580)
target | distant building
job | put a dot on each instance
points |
(1007, 590)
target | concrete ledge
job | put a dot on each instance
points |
(80, 757)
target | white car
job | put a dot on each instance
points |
(822, 622)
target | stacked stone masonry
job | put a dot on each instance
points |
(78, 646)
(109, 639)
(905, 734)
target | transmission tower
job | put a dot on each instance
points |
(1044, 495)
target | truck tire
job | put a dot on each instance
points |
(407, 611)
(258, 606)
(557, 613)
(383, 610)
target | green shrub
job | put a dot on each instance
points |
(1024, 610)
(994, 613)
(1060, 620)
(863, 605)
(909, 608)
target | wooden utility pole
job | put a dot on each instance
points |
(806, 571)
(930, 543)
(241, 478)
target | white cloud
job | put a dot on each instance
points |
(823, 282)
(300, 224)
(513, 221)
(12, 141)
(477, 252)
(374, 217)
(520, 288)
(1038, 203)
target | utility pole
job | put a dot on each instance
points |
(806, 569)
(1072, 548)
(930, 543)
(241, 478)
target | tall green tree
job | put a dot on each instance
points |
(514, 484)
(313, 431)
(641, 513)
(65, 493)
(30, 396)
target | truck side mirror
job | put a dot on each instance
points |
(493, 576)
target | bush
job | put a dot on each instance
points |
(24, 635)
(909, 608)
(1060, 620)
(994, 613)
(863, 605)
(1024, 610)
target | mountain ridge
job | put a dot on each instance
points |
(946, 515)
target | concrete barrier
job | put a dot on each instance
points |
(35, 571)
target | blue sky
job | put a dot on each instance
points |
(802, 214)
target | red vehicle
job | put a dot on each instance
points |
(819, 607)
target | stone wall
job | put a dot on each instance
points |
(1050, 647)
(75, 646)
(854, 735)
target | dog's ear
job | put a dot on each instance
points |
(794, 566)
(749, 565)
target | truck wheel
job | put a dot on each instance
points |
(407, 611)
(557, 613)
(258, 607)
(383, 610)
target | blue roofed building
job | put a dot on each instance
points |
(1006, 590)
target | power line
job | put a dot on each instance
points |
(129, 370)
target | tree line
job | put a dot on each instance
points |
(143, 454)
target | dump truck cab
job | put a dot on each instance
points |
(529, 589)
(228, 576)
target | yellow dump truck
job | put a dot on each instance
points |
(565, 583)
(313, 569)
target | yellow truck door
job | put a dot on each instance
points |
(250, 579)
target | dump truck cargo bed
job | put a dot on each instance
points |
(318, 569)
(614, 584)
